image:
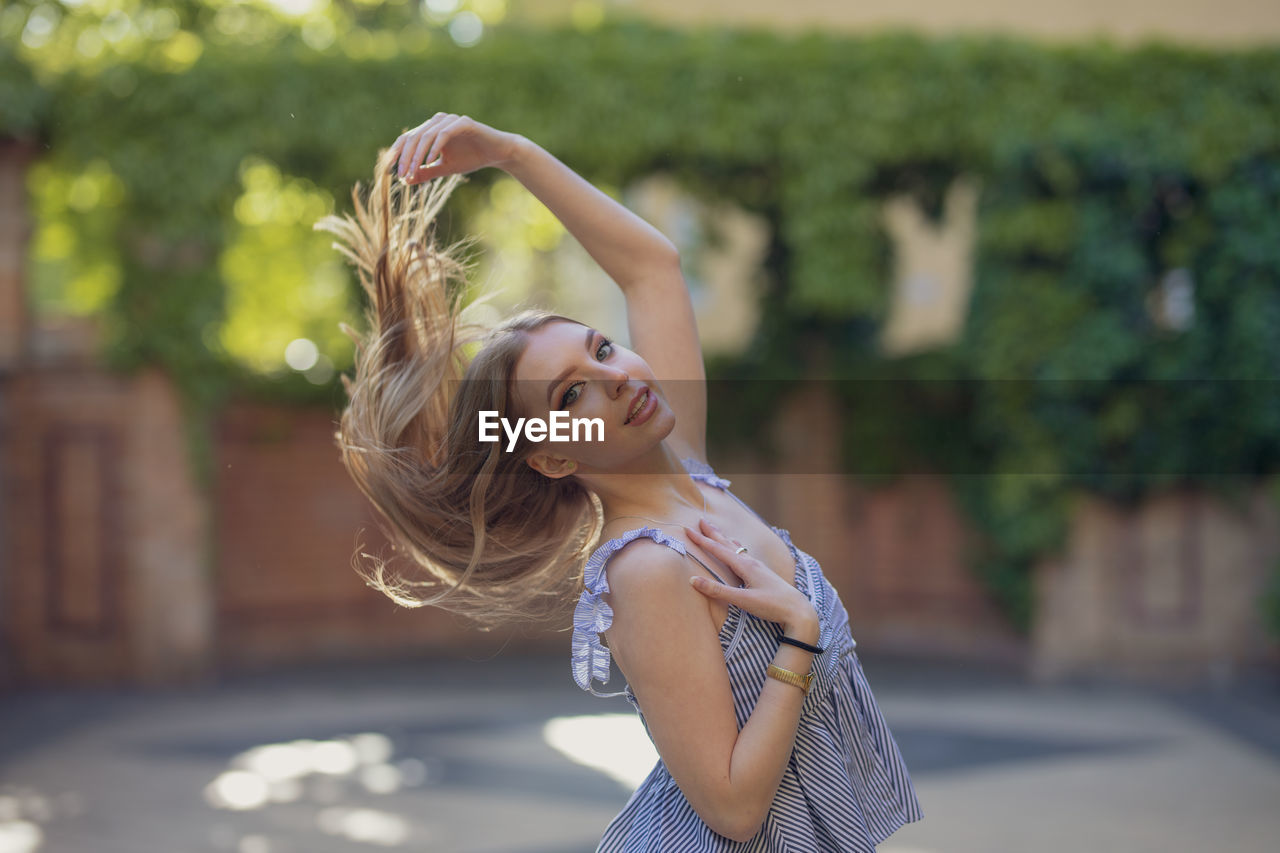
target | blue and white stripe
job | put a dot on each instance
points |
(845, 788)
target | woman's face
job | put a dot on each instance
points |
(575, 369)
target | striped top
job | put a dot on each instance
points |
(845, 788)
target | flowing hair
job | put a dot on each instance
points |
(485, 534)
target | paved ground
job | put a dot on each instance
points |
(462, 758)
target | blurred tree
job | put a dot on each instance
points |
(60, 35)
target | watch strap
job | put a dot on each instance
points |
(789, 677)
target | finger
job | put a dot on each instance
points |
(404, 134)
(723, 553)
(714, 589)
(722, 592)
(711, 535)
(405, 144)
(708, 588)
(433, 139)
(715, 534)
(419, 147)
(416, 141)
(442, 138)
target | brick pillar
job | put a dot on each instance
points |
(173, 590)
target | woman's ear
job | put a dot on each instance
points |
(554, 467)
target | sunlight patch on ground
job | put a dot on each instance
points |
(24, 811)
(20, 836)
(614, 744)
(275, 772)
(322, 773)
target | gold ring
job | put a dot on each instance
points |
(741, 548)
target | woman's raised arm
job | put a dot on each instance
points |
(624, 245)
(638, 257)
(646, 267)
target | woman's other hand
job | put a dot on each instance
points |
(449, 144)
(763, 592)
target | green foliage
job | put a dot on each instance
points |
(76, 267)
(24, 105)
(1103, 171)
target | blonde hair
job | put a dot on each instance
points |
(488, 536)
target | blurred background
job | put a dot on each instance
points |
(990, 299)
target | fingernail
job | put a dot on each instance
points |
(693, 581)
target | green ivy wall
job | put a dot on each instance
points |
(1103, 169)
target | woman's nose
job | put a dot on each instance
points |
(615, 380)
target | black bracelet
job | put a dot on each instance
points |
(817, 650)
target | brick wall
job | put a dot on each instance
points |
(1168, 591)
(104, 578)
(290, 522)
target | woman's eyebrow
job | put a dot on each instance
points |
(591, 333)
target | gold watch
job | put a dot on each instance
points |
(789, 677)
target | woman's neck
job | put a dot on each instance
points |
(656, 487)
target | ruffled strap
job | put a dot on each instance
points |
(592, 615)
(699, 470)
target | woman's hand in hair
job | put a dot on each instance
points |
(449, 144)
(763, 592)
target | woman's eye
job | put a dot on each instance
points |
(606, 347)
(570, 395)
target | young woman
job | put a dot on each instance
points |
(736, 651)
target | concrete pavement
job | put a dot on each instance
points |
(464, 758)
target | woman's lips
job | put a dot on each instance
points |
(650, 402)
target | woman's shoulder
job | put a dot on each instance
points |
(615, 545)
(648, 585)
(646, 563)
(644, 568)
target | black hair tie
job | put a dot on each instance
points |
(817, 650)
